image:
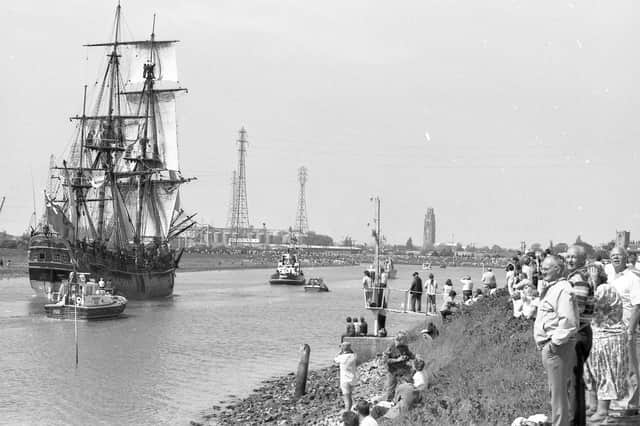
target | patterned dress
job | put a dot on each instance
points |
(607, 368)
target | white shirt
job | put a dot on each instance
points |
(526, 269)
(488, 278)
(366, 282)
(368, 421)
(431, 287)
(467, 285)
(348, 372)
(610, 271)
(419, 380)
(628, 286)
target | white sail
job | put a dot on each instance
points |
(136, 55)
(167, 130)
(159, 205)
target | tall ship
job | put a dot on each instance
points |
(121, 178)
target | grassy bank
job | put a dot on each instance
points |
(486, 370)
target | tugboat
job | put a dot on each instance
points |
(88, 300)
(288, 271)
(316, 284)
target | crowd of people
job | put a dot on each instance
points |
(585, 324)
(586, 320)
(405, 380)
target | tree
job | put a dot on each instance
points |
(348, 241)
(409, 244)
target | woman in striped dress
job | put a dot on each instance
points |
(607, 368)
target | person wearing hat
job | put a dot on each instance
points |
(346, 359)
(416, 293)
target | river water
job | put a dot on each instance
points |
(168, 361)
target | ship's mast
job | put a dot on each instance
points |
(150, 115)
(111, 134)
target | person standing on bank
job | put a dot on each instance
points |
(431, 288)
(416, 292)
(583, 290)
(627, 284)
(346, 359)
(554, 332)
(367, 285)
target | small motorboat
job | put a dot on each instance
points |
(316, 284)
(426, 266)
(86, 299)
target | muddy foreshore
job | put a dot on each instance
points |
(273, 401)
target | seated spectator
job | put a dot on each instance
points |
(356, 326)
(449, 306)
(349, 418)
(350, 331)
(420, 381)
(364, 327)
(478, 295)
(430, 332)
(363, 408)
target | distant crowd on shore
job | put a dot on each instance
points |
(270, 257)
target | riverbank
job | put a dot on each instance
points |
(484, 369)
(14, 263)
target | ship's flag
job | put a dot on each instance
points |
(58, 220)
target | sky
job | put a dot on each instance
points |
(514, 120)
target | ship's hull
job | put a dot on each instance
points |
(134, 280)
(84, 312)
(138, 285)
(277, 279)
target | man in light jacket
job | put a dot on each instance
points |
(555, 334)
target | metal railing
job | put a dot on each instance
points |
(392, 299)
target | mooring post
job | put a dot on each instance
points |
(303, 368)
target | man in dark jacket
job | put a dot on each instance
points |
(416, 292)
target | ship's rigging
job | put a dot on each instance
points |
(122, 175)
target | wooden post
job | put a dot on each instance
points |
(303, 368)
